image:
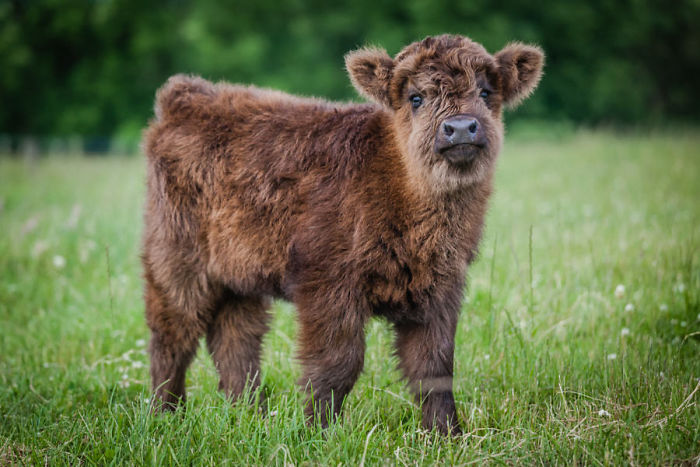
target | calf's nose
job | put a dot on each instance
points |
(462, 129)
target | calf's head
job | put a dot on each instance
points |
(446, 96)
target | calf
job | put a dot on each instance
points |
(347, 210)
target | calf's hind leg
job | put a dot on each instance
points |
(234, 339)
(332, 350)
(174, 342)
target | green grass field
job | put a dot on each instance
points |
(579, 340)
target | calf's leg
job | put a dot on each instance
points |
(332, 351)
(234, 339)
(426, 354)
(174, 342)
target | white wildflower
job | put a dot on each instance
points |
(663, 307)
(59, 262)
(475, 410)
(612, 356)
(684, 324)
(680, 287)
(30, 225)
(629, 307)
(603, 413)
(620, 291)
(137, 364)
(72, 221)
(625, 332)
(86, 248)
(487, 357)
(140, 343)
(39, 247)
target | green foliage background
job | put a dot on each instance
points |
(91, 67)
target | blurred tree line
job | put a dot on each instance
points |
(91, 67)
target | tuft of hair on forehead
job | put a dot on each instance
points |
(433, 45)
(446, 54)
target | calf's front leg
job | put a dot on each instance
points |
(426, 353)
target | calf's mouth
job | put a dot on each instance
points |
(461, 155)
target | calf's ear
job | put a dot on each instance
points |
(520, 66)
(370, 71)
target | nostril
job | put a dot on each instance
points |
(473, 127)
(448, 129)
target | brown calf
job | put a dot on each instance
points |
(347, 210)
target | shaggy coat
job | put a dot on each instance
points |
(347, 210)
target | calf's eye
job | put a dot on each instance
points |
(484, 94)
(416, 100)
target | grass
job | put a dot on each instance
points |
(556, 363)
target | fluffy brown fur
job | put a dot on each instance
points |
(348, 210)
